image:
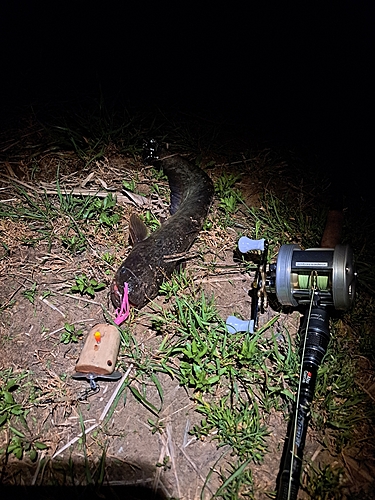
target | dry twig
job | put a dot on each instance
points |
(101, 418)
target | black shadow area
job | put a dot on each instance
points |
(73, 480)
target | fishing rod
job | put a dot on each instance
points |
(318, 280)
(315, 335)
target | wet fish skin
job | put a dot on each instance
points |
(146, 268)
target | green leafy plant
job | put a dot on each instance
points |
(229, 203)
(283, 221)
(88, 208)
(225, 183)
(158, 174)
(156, 426)
(86, 286)
(19, 445)
(229, 196)
(208, 224)
(325, 483)
(236, 424)
(235, 378)
(37, 210)
(237, 480)
(178, 282)
(339, 403)
(14, 410)
(236, 381)
(102, 211)
(129, 185)
(108, 258)
(70, 334)
(166, 464)
(30, 293)
(150, 220)
(75, 243)
(8, 405)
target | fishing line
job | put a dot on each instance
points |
(314, 286)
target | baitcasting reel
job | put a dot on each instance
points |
(317, 279)
(291, 278)
(332, 268)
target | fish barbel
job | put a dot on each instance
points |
(147, 265)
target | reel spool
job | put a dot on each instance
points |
(331, 269)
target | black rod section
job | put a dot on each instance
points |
(316, 330)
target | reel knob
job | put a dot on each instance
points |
(245, 244)
(235, 325)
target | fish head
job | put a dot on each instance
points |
(135, 289)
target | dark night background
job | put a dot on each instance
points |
(300, 72)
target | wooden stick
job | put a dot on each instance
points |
(130, 198)
(332, 231)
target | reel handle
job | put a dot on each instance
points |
(245, 244)
(235, 325)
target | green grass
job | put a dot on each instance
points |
(326, 483)
(43, 213)
(340, 404)
(16, 394)
(30, 293)
(229, 196)
(286, 220)
(255, 373)
(150, 220)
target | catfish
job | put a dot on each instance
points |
(151, 261)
